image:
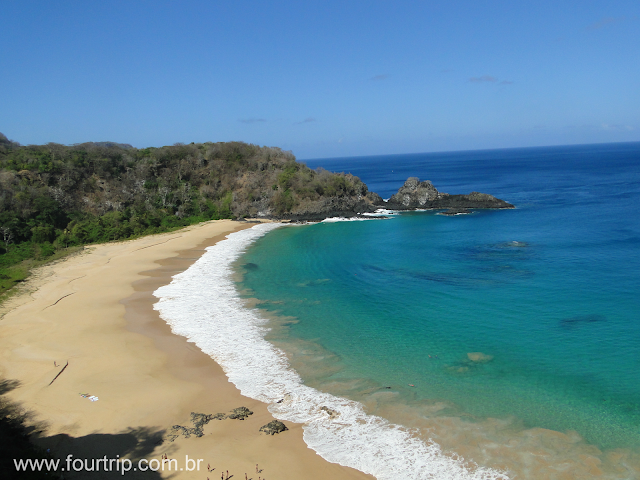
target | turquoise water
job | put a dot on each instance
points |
(547, 292)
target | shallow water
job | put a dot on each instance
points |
(547, 293)
(203, 305)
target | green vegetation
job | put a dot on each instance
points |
(55, 197)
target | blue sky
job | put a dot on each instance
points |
(322, 78)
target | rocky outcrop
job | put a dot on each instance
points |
(273, 427)
(240, 413)
(199, 420)
(373, 198)
(455, 211)
(332, 207)
(331, 413)
(416, 194)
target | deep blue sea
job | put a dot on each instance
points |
(495, 328)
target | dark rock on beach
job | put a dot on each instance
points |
(199, 420)
(273, 427)
(240, 413)
(416, 194)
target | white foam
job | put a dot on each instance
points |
(382, 211)
(203, 305)
(345, 219)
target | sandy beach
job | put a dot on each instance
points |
(94, 311)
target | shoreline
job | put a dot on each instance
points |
(499, 443)
(337, 428)
(95, 310)
(172, 377)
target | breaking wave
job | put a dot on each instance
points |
(203, 305)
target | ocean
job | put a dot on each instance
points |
(499, 344)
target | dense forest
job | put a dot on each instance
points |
(53, 196)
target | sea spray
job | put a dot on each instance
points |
(203, 305)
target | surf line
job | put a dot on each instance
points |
(222, 327)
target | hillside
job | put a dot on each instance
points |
(54, 196)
